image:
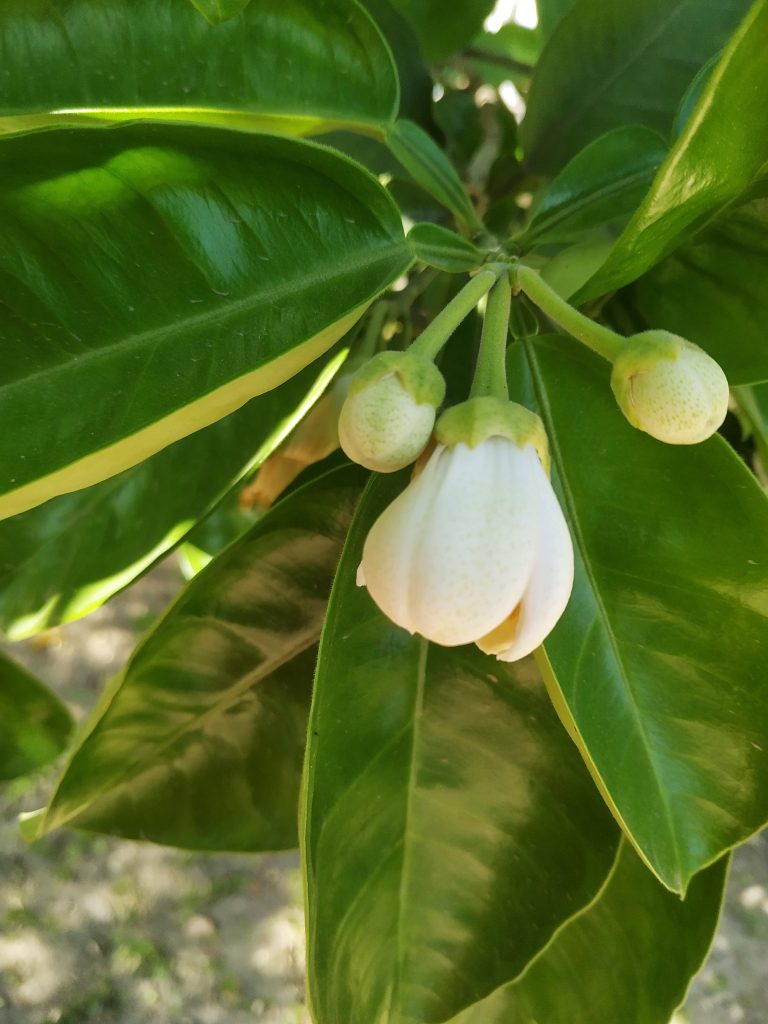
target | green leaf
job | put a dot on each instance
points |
(658, 665)
(444, 28)
(714, 291)
(63, 559)
(602, 185)
(570, 268)
(412, 73)
(714, 161)
(153, 279)
(629, 957)
(508, 54)
(438, 247)
(449, 826)
(690, 100)
(34, 724)
(217, 11)
(551, 13)
(611, 64)
(199, 743)
(430, 167)
(297, 67)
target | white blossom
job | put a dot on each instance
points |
(475, 549)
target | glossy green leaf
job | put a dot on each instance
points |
(34, 724)
(199, 742)
(610, 64)
(570, 268)
(430, 167)
(449, 826)
(659, 660)
(444, 28)
(714, 290)
(66, 557)
(414, 77)
(629, 957)
(438, 247)
(551, 12)
(297, 67)
(602, 185)
(713, 162)
(153, 279)
(217, 11)
(690, 100)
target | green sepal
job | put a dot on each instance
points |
(418, 375)
(485, 416)
(642, 353)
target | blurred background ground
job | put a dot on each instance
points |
(101, 931)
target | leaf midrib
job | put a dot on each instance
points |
(567, 210)
(395, 1000)
(233, 694)
(220, 315)
(623, 674)
(589, 97)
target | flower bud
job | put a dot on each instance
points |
(388, 416)
(670, 388)
(476, 548)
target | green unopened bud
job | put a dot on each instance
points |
(670, 388)
(477, 419)
(388, 416)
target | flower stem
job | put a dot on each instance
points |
(491, 371)
(605, 342)
(372, 334)
(432, 338)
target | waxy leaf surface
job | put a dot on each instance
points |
(217, 11)
(714, 291)
(199, 743)
(430, 167)
(603, 184)
(658, 664)
(63, 559)
(551, 13)
(296, 67)
(609, 64)
(444, 28)
(629, 957)
(154, 278)
(715, 161)
(449, 827)
(34, 724)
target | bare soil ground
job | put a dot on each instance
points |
(96, 930)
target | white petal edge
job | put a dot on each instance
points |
(452, 555)
(550, 586)
(386, 565)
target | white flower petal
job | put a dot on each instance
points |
(477, 555)
(550, 585)
(477, 544)
(386, 565)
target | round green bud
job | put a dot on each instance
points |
(670, 388)
(477, 419)
(389, 413)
